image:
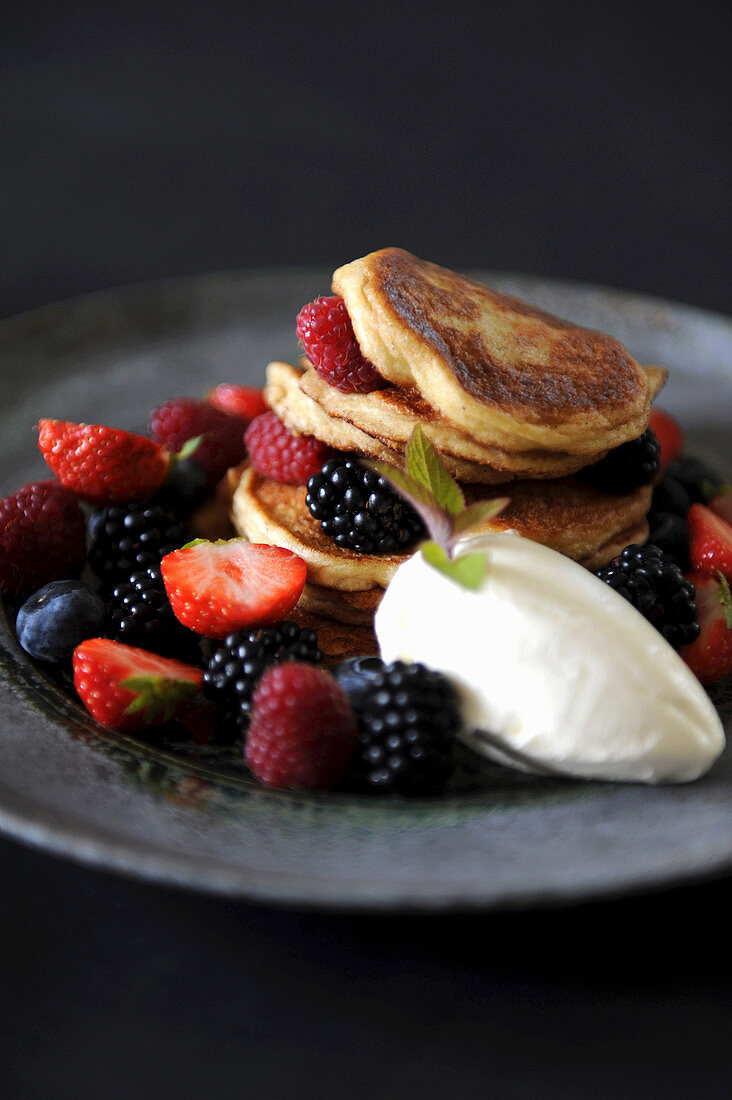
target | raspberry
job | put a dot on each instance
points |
(42, 537)
(326, 333)
(302, 731)
(182, 418)
(277, 453)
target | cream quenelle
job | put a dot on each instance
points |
(557, 667)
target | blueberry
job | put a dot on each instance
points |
(184, 490)
(356, 674)
(671, 496)
(696, 477)
(670, 533)
(56, 618)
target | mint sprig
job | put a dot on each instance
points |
(440, 502)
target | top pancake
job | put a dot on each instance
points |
(498, 367)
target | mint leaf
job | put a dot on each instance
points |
(426, 467)
(467, 570)
(476, 514)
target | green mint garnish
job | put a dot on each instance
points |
(440, 501)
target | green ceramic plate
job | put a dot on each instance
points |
(152, 811)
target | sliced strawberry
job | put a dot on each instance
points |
(244, 401)
(102, 465)
(126, 688)
(669, 434)
(710, 541)
(216, 588)
(721, 505)
(710, 656)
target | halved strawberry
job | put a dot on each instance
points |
(102, 465)
(126, 688)
(669, 434)
(216, 588)
(244, 401)
(710, 656)
(721, 505)
(710, 541)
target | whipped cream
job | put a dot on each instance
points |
(558, 669)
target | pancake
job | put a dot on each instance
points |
(337, 640)
(568, 515)
(500, 368)
(390, 415)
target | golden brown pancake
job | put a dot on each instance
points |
(568, 515)
(500, 368)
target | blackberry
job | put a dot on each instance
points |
(657, 588)
(237, 663)
(357, 509)
(671, 496)
(698, 479)
(627, 467)
(128, 538)
(140, 614)
(670, 534)
(407, 717)
(183, 490)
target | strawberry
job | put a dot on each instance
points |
(303, 731)
(244, 401)
(710, 656)
(102, 465)
(721, 505)
(127, 689)
(669, 434)
(42, 537)
(710, 541)
(216, 588)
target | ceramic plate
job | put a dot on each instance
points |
(150, 810)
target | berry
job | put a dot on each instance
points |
(127, 539)
(699, 479)
(407, 721)
(721, 505)
(237, 664)
(127, 689)
(217, 588)
(710, 541)
(279, 454)
(670, 436)
(325, 331)
(183, 418)
(56, 618)
(358, 509)
(183, 490)
(670, 534)
(243, 401)
(302, 731)
(42, 537)
(140, 614)
(627, 467)
(710, 656)
(102, 465)
(670, 496)
(658, 589)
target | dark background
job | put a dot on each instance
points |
(144, 140)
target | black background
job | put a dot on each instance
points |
(141, 140)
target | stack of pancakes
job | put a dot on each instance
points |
(505, 392)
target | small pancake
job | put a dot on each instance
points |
(498, 367)
(265, 511)
(355, 608)
(338, 641)
(390, 415)
(568, 515)
(571, 516)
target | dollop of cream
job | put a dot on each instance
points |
(559, 670)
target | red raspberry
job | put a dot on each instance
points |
(279, 454)
(42, 537)
(182, 418)
(244, 401)
(302, 732)
(325, 331)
